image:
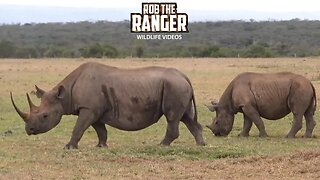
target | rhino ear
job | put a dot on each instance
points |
(39, 93)
(213, 106)
(215, 102)
(61, 92)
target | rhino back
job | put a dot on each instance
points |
(135, 95)
(271, 91)
(135, 98)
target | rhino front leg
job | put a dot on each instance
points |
(247, 124)
(85, 119)
(101, 132)
(254, 116)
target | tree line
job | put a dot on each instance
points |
(205, 39)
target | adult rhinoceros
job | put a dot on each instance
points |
(271, 96)
(127, 99)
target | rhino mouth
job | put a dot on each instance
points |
(221, 133)
(218, 131)
(33, 132)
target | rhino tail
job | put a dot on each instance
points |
(195, 117)
(314, 99)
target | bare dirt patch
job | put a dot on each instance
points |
(300, 165)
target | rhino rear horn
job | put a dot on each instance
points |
(23, 115)
(31, 105)
(39, 91)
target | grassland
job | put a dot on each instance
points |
(137, 155)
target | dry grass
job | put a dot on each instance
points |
(136, 155)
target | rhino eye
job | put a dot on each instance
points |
(45, 116)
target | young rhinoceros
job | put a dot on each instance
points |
(125, 99)
(271, 96)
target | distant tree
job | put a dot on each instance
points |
(54, 52)
(246, 41)
(317, 53)
(249, 26)
(228, 52)
(251, 38)
(195, 51)
(281, 49)
(98, 51)
(26, 52)
(95, 50)
(110, 51)
(69, 53)
(138, 47)
(258, 51)
(7, 49)
(212, 51)
(139, 51)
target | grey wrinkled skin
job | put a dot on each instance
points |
(271, 96)
(129, 100)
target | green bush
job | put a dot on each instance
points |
(139, 51)
(98, 51)
(7, 49)
(26, 52)
(255, 51)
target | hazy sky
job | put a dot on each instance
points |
(266, 5)
(198, 10)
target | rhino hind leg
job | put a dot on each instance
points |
(101, 131)
(296, 125)
(310, 124)
(254, 116)
(247, 124)
(194, 127)
(172, 132)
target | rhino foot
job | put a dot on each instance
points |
(70, 146)
(100, 145)
(308, 136)
(201, 144)
(263, 135)
(243, 135)
(164, 144)
(290, 136)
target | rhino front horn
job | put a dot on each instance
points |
(23, 115)
(209, 126)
